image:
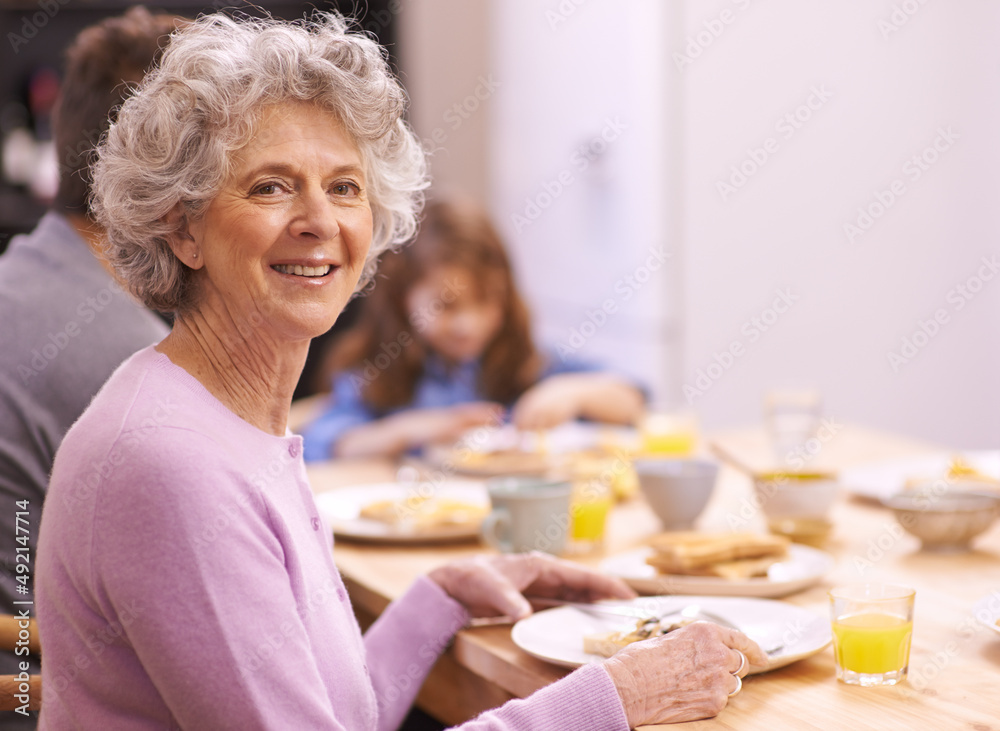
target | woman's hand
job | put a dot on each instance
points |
(494, 586)
(568, 396)
(682, 676)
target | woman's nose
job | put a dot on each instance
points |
(314, 216)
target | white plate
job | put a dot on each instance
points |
(881, 480)
(987, 611)
(539, 449)
(803, 567)
(572, 436)
(341, 508)
(556, 635)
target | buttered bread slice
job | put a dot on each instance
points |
(717, 554)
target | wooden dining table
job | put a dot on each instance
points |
(954, 671)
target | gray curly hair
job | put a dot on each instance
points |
(174, 139)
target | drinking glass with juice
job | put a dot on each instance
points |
(872, 631)
(668, 433)
(589, 507)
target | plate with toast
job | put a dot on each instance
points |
(505, 450)
(570, 637)
(720, 564)
(396, 512)
(971, 470)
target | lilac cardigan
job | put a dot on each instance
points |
(185, 580)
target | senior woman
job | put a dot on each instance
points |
(184, 577)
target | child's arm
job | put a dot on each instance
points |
(567, 396)
(399, 433)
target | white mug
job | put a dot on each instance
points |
(529, 514)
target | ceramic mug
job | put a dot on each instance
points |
(529, 514)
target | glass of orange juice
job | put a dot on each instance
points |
(872, 629)
(668, 433)
(590, 504)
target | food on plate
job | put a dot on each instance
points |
(425, 512)
(800, 477)
(607, 644)
(500, 462)
(959, 471)
(727, 555)
(610, 466)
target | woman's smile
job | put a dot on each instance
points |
(298, 270)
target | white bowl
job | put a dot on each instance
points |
(677, 490)
(947, 520)
(796, 495)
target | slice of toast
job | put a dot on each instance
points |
(688, 552)
(742, 568)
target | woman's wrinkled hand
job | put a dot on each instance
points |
(682, 676)
(494, 586)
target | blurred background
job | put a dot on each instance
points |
(720, 197)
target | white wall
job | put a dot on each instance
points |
(581, 123)
(892, 91)
(565, 67)
(444, 55)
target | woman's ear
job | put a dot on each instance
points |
(181, 240)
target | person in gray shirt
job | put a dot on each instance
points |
(65, 324)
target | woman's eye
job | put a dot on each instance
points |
(266, 189)
(345, 189)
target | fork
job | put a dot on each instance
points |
(695, 612)
(591, 608)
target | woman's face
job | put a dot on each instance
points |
(282, 246)
(452, 315)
